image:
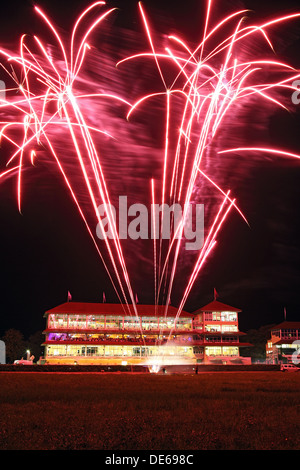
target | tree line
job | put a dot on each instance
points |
(17, 346)
(258, 339)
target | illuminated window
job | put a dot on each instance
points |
(95, 322)
(212, 316)
(131, 323)
(149, 323)
(212, 328)
(77, 321)
(57, 321)
(213, 351)
(92, 351)
(229, 328)
(228, 316)
(114, 322)
(230, 351)
(216, 316)
(184, 324)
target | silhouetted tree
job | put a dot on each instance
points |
(33, 343)
(15, 345)
(258, 338)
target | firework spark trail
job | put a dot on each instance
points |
(208, 101)
(154, 240)
(36, 125)
(206, 249)
(199, 153)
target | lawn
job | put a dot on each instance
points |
(115, 411)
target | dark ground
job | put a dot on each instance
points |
(115, 411)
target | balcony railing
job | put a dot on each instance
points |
(195, 328)
(290, 336)
(153, 331)
(178, 341)
(111, 341)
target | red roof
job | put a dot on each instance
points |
(285, 341)
(287, 325)
(216, 306)
(89, 308)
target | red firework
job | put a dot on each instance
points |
(204, 93)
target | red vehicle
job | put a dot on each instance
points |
(289, 368)
(23, 361)
(27, 362)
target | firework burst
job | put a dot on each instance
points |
(209, 84)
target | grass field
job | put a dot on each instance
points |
(115, 411)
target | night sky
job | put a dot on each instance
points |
(46, 252)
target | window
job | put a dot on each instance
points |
(289, 333)
(113, 350)
(114, 322)
(228, 316)
(77, 321)
(132, 323)
(229, 328)
(197, 325)
(149, 323)
(136, 351)
(56, 350)
(212, 328)
(127, 351)
(184, 351)
(230, 339)
(166, 323)
(57, 321)
(230, 351)
(212, 316)
(91, 351)
(213, 351)
(184, 324)
(96, 322)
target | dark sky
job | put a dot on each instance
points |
(46, 252)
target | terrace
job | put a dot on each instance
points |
(91, 323)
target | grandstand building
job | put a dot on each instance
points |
(284, 343)
(102, 333)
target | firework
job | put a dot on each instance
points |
(209, 84)
(36, 124)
